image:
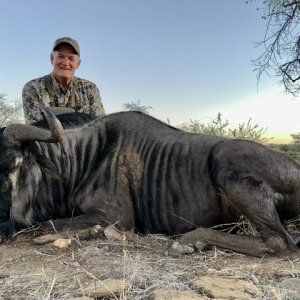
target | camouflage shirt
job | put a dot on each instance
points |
(82, 95)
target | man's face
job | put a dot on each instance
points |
(65, 62)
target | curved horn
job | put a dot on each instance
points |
(18, 133)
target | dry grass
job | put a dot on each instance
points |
(293, 226)
(30, 271)
(243, 227)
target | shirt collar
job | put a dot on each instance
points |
(57, 87)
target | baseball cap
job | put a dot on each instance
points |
(69, 41)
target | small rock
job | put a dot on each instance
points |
(75, 264)
(175, 295)
(254, 279)
(181, 249)
(292, 287)
(62, 243)
(81, 298)
(96, 230)
(226, 288)
(111, 287)
(200, 246)
(112, 233)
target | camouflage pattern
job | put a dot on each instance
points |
(82, 95)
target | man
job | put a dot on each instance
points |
(61, 90)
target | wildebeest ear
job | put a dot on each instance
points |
(48, 167)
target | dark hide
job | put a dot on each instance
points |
(68, 120)
(133, 170)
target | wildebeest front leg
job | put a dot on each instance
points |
(249, 245)
(75, 223)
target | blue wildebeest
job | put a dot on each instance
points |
(133, 170)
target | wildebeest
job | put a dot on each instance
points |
(132, 170)
(68, 120)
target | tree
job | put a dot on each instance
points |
(137, 106)
(281, 44)
(9, 113)
(296, 138)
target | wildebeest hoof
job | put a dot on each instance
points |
(181, 249)
(296, 239)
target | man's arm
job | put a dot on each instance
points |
(96, 106)
(31, 104)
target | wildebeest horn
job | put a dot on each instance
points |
(18, 133)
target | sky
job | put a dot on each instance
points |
(187, 59)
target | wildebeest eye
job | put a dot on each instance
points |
(4, 187)
(4, 184)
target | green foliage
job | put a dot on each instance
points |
(9, 113)
(292, 150)
(136, 106)
(220, 127)
(284, 148)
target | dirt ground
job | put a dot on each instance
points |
(30, 271)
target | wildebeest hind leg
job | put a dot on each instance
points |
(249, 245)
(256, 200)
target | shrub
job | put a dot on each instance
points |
(220, 127)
